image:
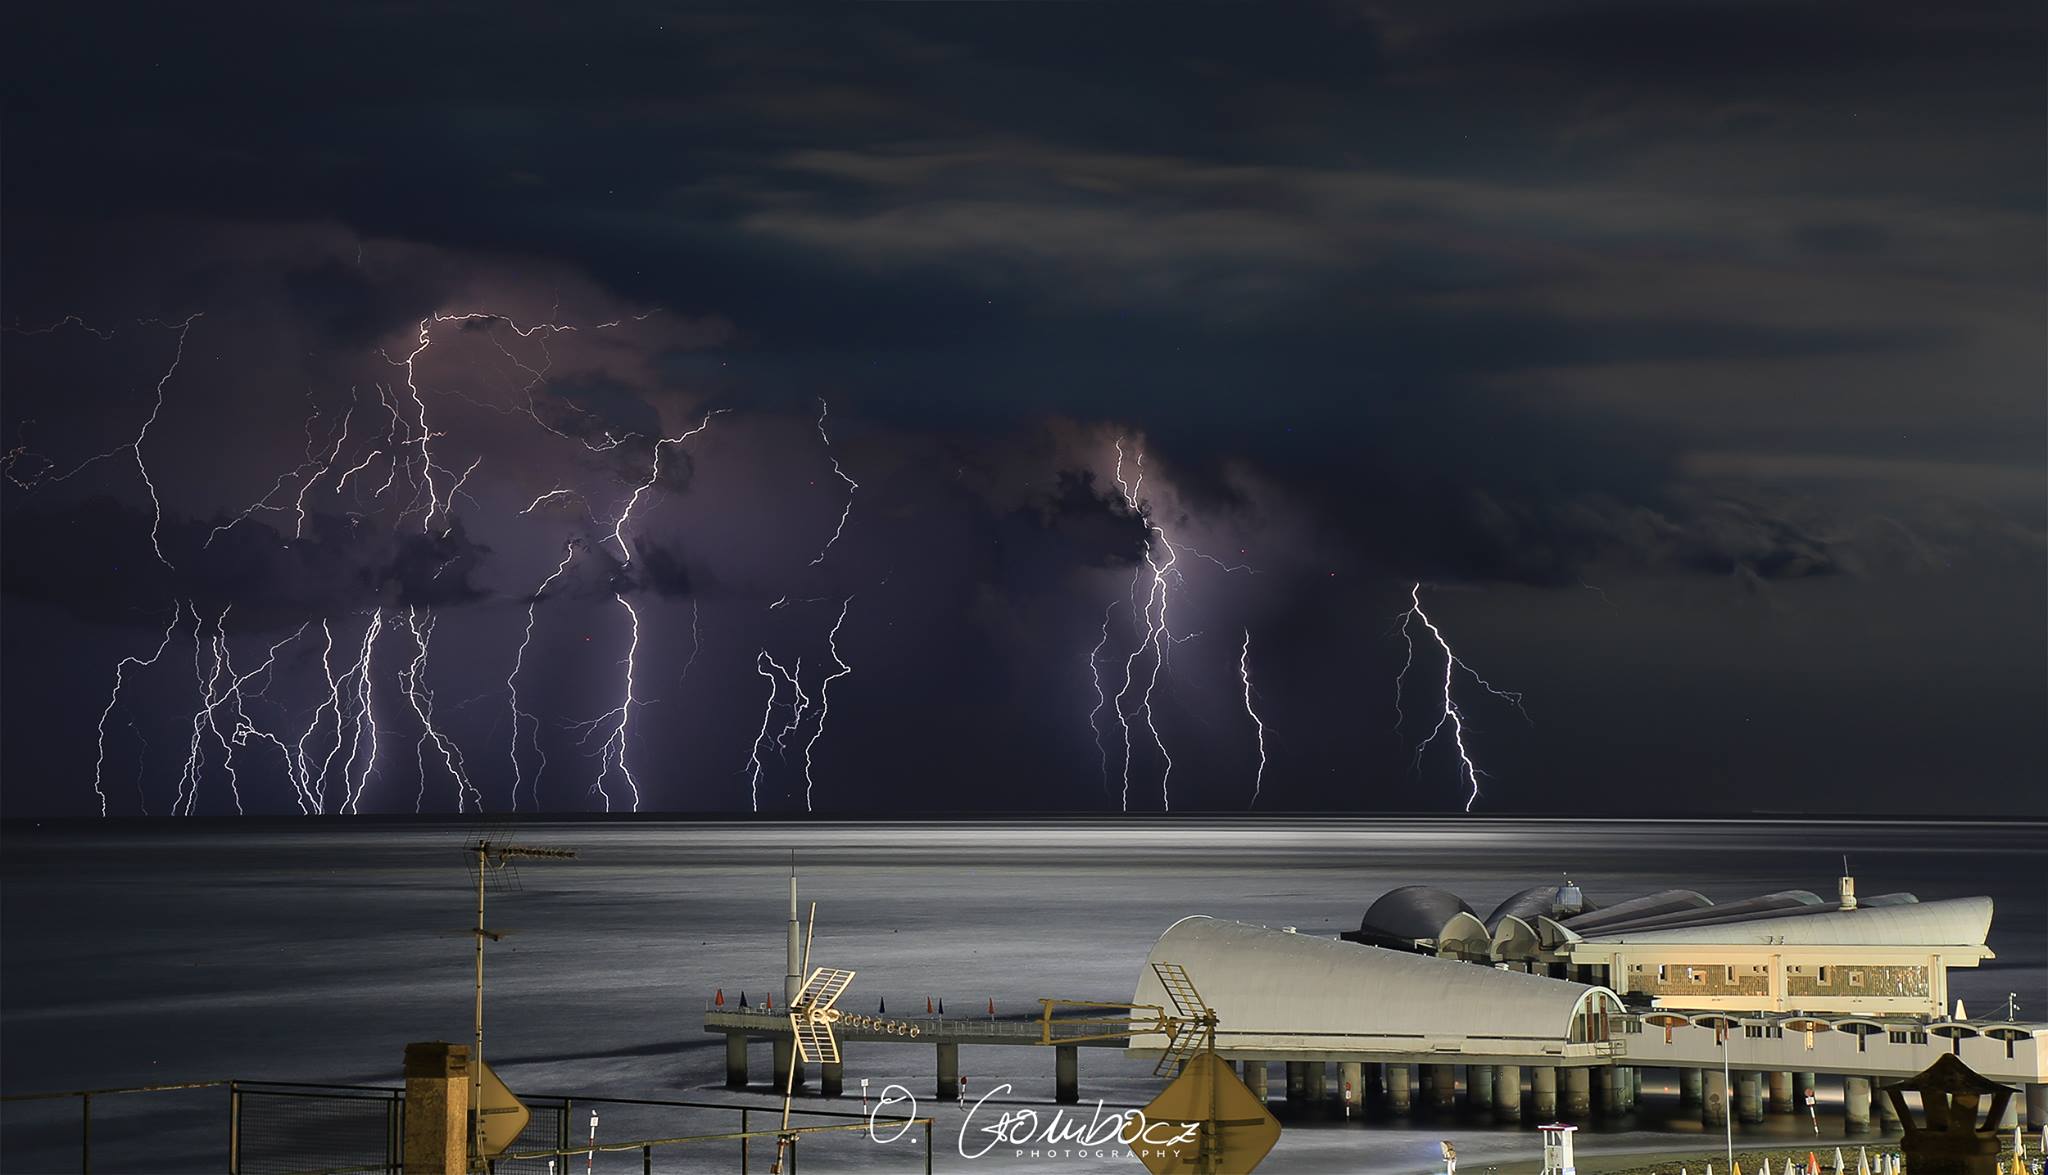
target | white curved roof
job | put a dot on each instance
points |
(1951, 922)
(1270, 987)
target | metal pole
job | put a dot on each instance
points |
(929, 1130)
(1727, 1100)
(743, 1142)
(234, 1129)
(646, 1160)
(85, 1142)
(476, 1075)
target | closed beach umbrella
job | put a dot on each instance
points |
(1840, 1166)
(1862, 1161)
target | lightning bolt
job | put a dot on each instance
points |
(1244, 673)
(851, 485)
(133, 446)
(824, 698)
(1452, 716)
(1101, 698)
(512, 685)
(763, 663)
(120, 675)
(413, 680)
(1155, 633)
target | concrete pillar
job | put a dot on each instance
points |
(1318, 1091)
(1803, 1085)
(832, 1078)
(1856, 1104)
(785, 1053)
(1254, 1078)
(1297, 1082)
(1690, 1087)
(1885, 1115)
(1543, 1087)
(1425, 1080)
(1713, 1097)
(1479, 1088)
(1781, 1092)
(1444, 1089)
(1066, 1075)
(1507, 1093)
(2006, 1121)
(947, 1085)
(1578, 1094)
(2037, 1106)
(1749, 1102)
(1632, 1092)
(437, 1108)
(1351, 1086)
(1607, 1091)
(735, 1060)
(1399, 1099)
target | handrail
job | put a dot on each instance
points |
(158, 1088)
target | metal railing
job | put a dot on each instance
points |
(85, 1097)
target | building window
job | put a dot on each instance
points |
(1661, 973)
(1823, 976)
(1856, 979)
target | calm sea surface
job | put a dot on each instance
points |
(313, 952)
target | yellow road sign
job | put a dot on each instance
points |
(1205, 1122)
(500, 1116)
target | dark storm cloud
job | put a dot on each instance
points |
(341, 565)
(1508, 294)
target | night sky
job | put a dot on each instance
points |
(1689, 357)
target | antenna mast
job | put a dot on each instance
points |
(491, 856)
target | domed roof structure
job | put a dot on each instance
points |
(1412, 912)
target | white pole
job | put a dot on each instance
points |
(1727, 1099)
(590, 1156)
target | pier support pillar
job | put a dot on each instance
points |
(1856, 1104)
(1444, 1088)
(1318, 1091)
(785, 1055)
(1066, 1075)
(1804, 1085)
(2006, 1121)
(1297, 1082)
(1399, 1098)
(1750, 1099)
(1689, 1087)
(1607, 1091)
(2037, 1107)
(832, 1078)
(1578, 1094)
(735, 1060)
(1882, 1114)
(947, 1085)
(1479, 1088)
(1351, 1086)
(1713, 1097)
(1507, 1093)
(1255, 1078)
(1781, 1092)
(1543, 1088)
(1631, 1087)
(437, 1095)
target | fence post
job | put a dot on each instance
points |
(930, 1128)
(234, 1128)
(394, 1134)
(562, 1132)
(85, 1139)
(646, 1160)
(744, 1140)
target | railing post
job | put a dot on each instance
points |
(234, 1128)
(930, 1128)
(744, 1140)
(394, 1134)
(85, 1140)
(646, 1160)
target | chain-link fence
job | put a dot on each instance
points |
(279, 1130)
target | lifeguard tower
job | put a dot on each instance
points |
(1557, 1149)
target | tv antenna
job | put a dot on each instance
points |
(1232, 1128)
(493, 862)
(811, 1020)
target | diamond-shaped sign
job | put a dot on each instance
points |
(500, 1116)
(1205, 1122)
